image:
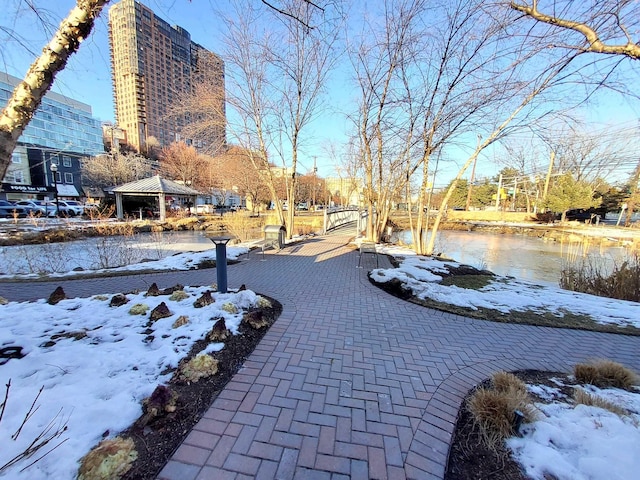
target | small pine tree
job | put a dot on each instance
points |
(568, 193)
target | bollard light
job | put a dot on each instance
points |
(221, 261)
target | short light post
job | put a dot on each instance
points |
(221, 261)
(54, 171)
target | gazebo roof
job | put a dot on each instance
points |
(155, 184)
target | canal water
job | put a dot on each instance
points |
(528, 258)
(523, 257)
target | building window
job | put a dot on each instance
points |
(16, 158)
(58, 177)
(18, 176)
(55, 160)
(68, 177)
(66, 161)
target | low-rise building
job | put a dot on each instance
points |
(62, 132)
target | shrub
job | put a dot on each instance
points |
(110, 459)
(505, 382)
(243, 226)
(494, 410)
(178, 295)
(139, 309)
(230, 308)
(198, 367)
(263, 302)
(605, 373)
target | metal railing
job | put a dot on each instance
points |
(340, 216)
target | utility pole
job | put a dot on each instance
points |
(473, 177)
(498, 194)
(546, 182)
(315, 169)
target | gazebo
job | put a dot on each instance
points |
(153, 187)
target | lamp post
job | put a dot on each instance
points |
(221, 261)
(54, 171)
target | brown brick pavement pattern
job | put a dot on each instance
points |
(350, 382)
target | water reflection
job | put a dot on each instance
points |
(524, 257)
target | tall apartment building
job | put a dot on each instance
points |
(62, 132)
(152, 64)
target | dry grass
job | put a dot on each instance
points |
(605, 373)
(505, 382)
(585, 398)
(494, 410)
(588, 276)
(243, 226)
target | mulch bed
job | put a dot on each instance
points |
(157, 439)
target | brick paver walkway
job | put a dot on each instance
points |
(350, 382)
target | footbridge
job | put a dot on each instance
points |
(343, 218)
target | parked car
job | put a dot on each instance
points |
(50, 208)
(37, 208)
(9, 210)
(91, 208)
(205, 208)
(71, 208)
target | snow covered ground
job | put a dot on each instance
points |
(102, 254)
(96, 363)
(580, 442)
(422, 275)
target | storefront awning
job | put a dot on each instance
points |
(67, 190)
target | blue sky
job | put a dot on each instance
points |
(87, 77)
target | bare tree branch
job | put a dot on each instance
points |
(631, 49)
(290, 15)
(28, 95)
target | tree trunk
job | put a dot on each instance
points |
(27, 96)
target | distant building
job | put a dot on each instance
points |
(113, 137)
(344, 191)
(152, 63)
(62, 131)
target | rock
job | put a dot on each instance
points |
(57, 295)
(118, 300)
(255, 319)
(204, 300)
(182, 320)
(153, 291)
(168, 291)
(161, 401)
(161, 311)
(219, 332)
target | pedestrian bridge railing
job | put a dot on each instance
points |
(340, 216)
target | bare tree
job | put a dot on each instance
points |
(27, 96)
(201, 110)
(236, 171)
(384, 129)
(112, 169)
(182, 163)
(302, 62)
(276, 69)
